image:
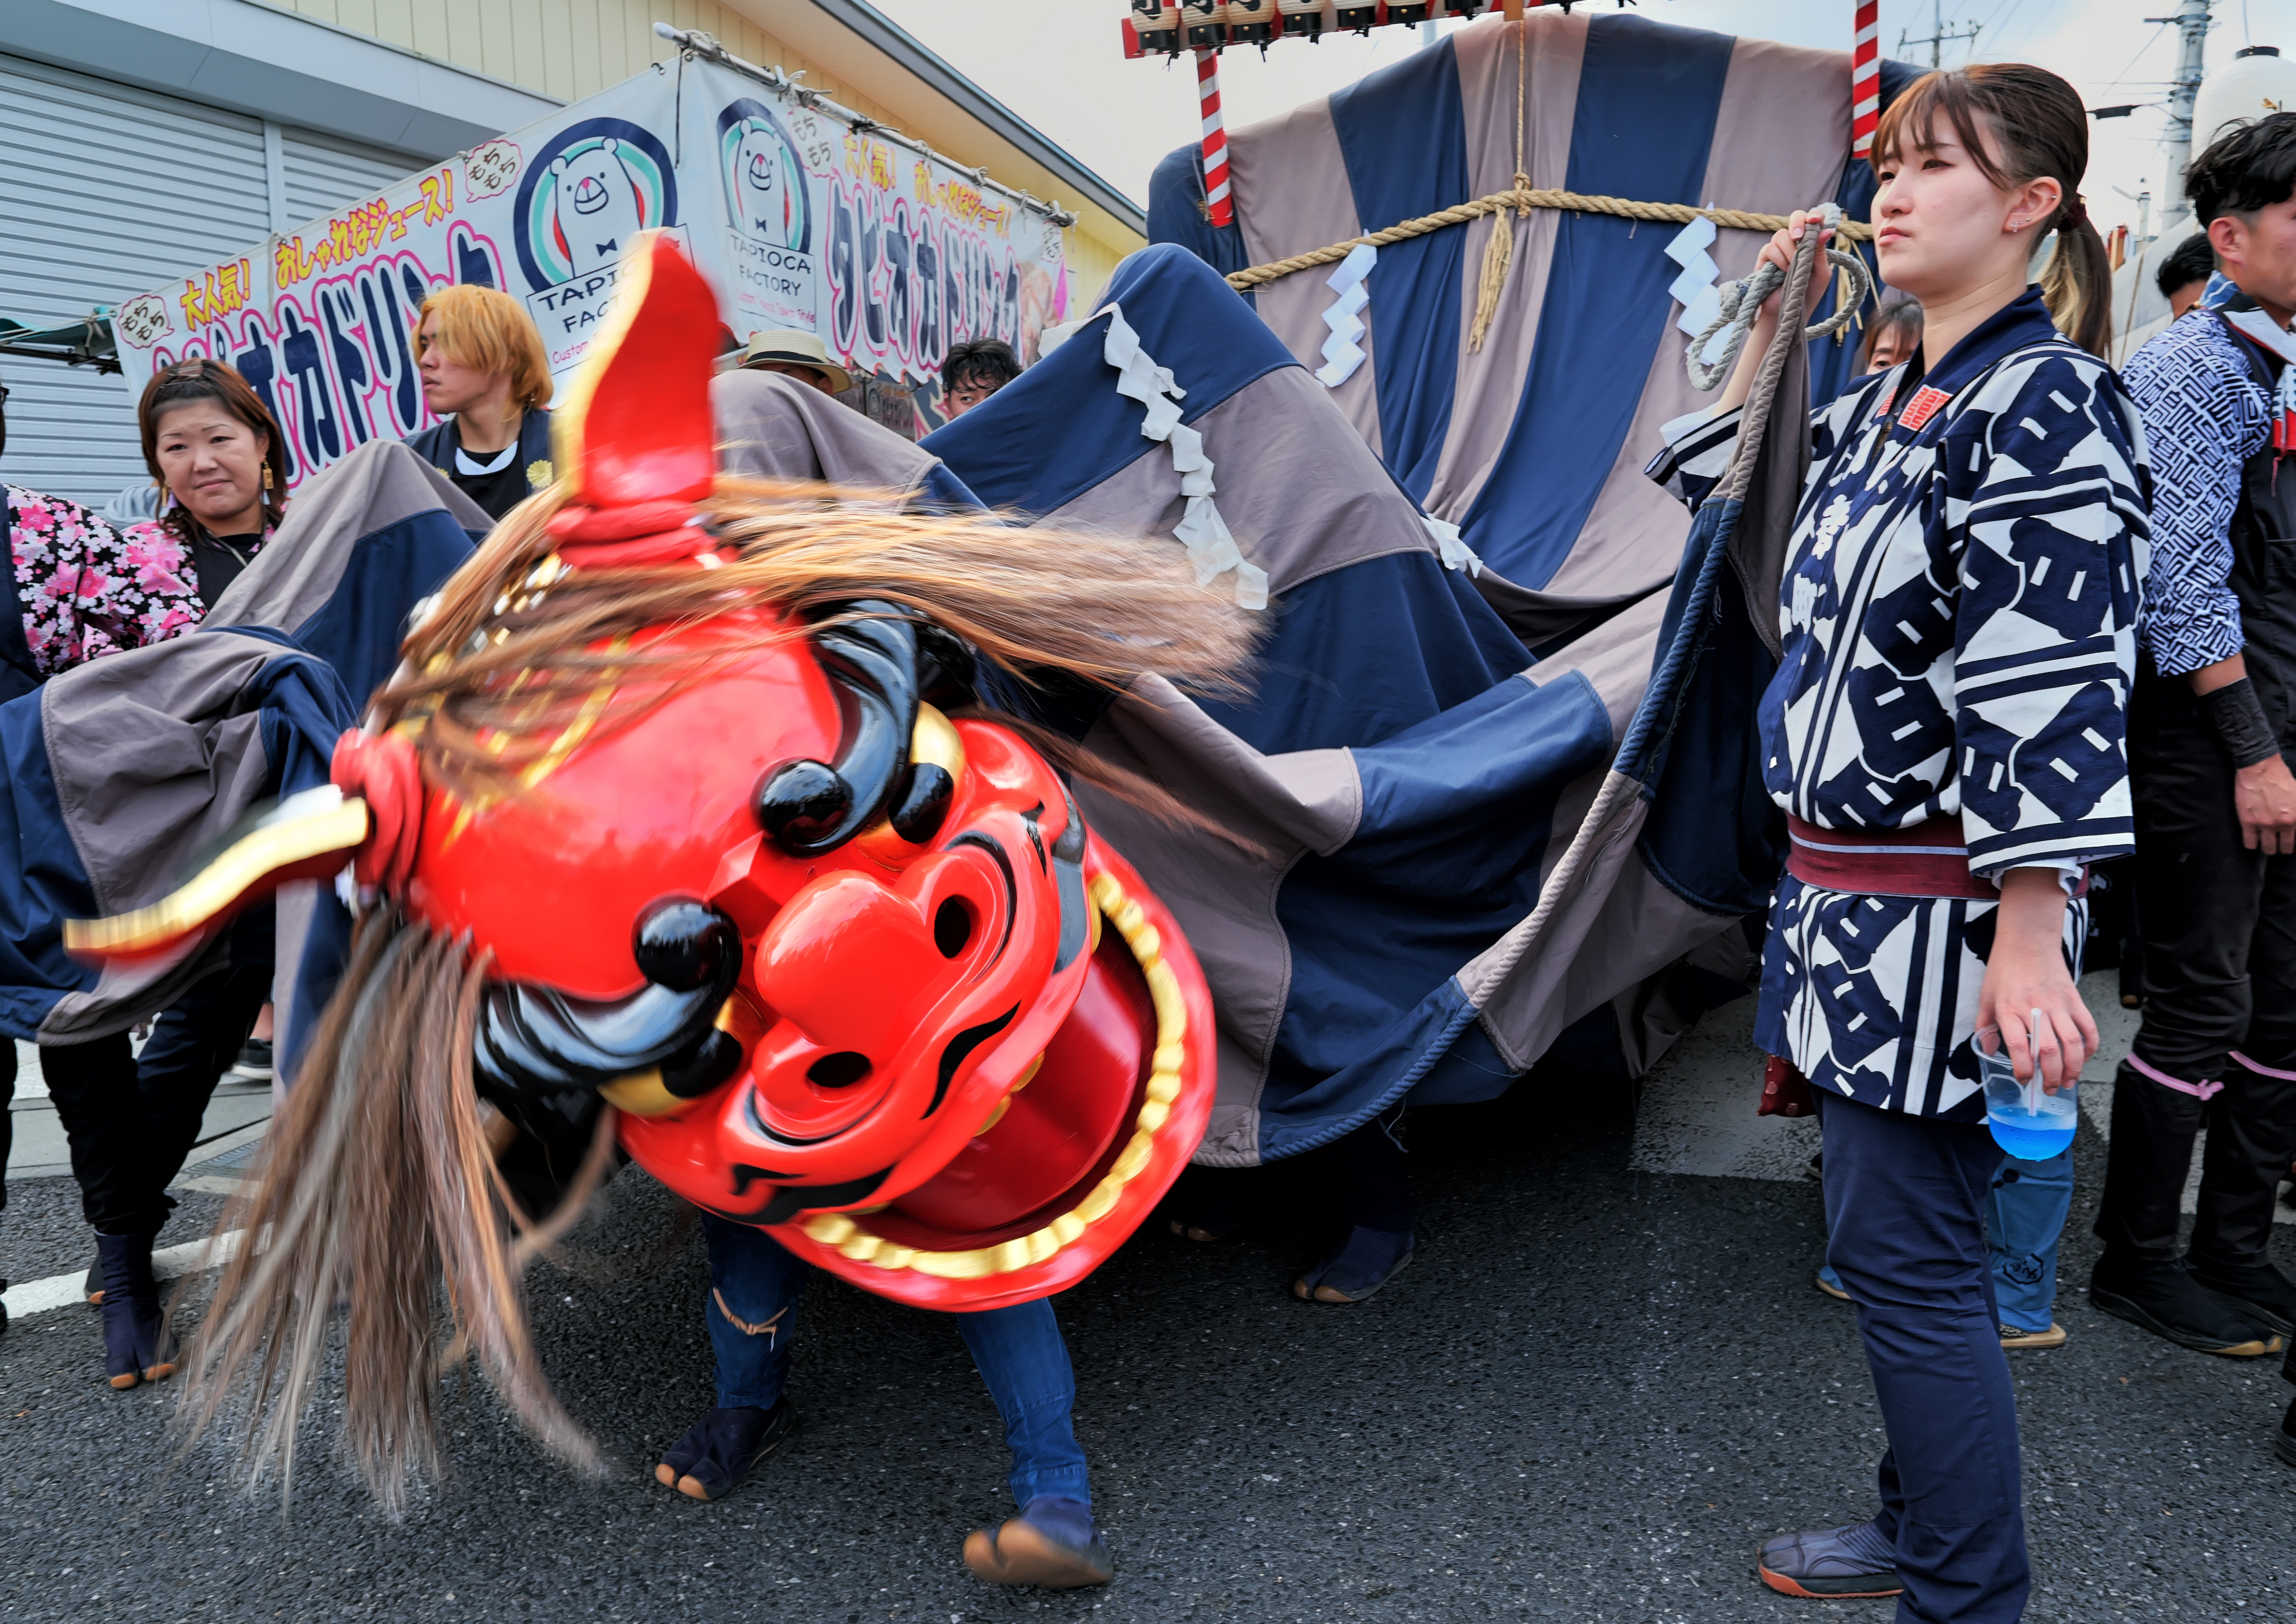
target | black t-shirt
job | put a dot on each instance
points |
(216, 561)
(497, 492)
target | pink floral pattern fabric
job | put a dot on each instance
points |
(88, 589)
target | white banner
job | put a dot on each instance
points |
(796, 220)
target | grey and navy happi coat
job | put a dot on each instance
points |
(1958, 616)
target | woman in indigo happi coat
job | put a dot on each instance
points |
(1946, 733)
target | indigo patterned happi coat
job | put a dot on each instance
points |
(1958, 617)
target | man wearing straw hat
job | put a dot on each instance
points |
(801, 355)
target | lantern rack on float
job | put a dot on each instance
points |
(1166, 28)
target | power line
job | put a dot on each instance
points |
(1939, 36)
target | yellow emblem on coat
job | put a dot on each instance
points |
(539, 473)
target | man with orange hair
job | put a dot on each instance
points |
(484, 371)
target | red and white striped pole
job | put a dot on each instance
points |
(1219, 206)
(1865, 78)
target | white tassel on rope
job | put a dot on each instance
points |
(1201, 530)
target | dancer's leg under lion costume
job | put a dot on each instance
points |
(678, 830)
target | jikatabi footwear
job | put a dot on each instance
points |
(1828, 1288)
(2164, 1299)
(723, 1447)
(1366, 1260)
(1053, 1543)
(2053, 1337)
(2258, 1287)
(1851, 1561)
(136, 1344)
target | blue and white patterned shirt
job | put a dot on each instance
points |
(2204, 417)
(1959, 622)
(1960, 599)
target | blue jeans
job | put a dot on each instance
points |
(2024, 1219)
(756, 1281)
(1904, 1204)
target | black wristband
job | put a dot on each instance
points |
(2235, 713)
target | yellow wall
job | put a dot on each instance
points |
(564, 48)
(573, 48)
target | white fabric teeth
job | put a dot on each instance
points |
(1211, 549)
(1342, 350)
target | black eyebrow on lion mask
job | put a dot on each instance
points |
(882, 663)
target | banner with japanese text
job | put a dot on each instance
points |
(798, 222)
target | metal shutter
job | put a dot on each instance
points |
(105, 191)
(325, 173)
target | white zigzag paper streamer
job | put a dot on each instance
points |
(1694, 289)
(1456, 553)
(1211, 549)
(1342, 353)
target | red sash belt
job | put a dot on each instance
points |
(1930, 859)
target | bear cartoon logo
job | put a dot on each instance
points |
(596, 206)
(767, 195)
(585, 195)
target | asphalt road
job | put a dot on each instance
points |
(1591, 1396)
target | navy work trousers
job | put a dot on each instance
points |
(1904, 1201)
(754, 1282)
(131, 1122)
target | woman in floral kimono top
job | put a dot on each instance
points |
(1945, 732)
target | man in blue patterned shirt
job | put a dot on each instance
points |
(2214, 705)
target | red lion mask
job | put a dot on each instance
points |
(846, 969)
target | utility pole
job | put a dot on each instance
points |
(2192, 20)
(1938, 37)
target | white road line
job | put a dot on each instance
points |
(62, 1291)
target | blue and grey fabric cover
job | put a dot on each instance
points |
(1535, 444)
(1405, 777)
(1424, 904)
(122, 772)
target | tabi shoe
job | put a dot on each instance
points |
(1852, 1561)
(91, 1284)
(2284, 1440)
(2011, 1337)
(136, 1344)
(2258, 1287)
(1829, 1287)
(2163, 1298)
(1052, 1543)
(1211, 1203)
(723, 1447)
(1366, 1260)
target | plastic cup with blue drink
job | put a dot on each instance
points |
(2028, 1121)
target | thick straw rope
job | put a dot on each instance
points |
(1522, 198)
(1500, 249)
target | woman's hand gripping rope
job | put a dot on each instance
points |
(1749, 304)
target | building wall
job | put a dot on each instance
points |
(573, 48)
(564, 48)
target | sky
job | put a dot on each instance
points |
(1059, 64)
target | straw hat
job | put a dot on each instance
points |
(797, 349)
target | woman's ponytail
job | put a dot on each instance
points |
(2077, 282)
